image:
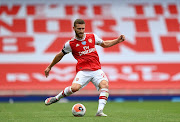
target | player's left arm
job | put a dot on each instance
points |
(109, 43)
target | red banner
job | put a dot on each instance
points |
(121, 76)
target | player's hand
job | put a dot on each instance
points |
(47, 70)
(121, 38)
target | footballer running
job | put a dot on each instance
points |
(88, 67)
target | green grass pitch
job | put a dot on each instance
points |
(161, 111)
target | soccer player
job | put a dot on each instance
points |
(88, 67)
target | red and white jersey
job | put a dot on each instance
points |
(84, 52)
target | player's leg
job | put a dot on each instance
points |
(103, 97)
(101, 82)
(66, 92)
(82, 78)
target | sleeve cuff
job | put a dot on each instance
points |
(64, 52)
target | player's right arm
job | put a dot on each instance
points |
(56, 59)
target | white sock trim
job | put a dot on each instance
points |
(66, 92)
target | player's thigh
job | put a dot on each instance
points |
(82, 78)
(100, 79)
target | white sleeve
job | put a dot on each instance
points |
(98, 41)
(67, 48)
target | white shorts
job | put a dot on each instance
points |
(86, 76)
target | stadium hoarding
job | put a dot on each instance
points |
(31, 33)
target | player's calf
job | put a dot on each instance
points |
(66, 92)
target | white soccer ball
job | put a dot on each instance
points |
(78, 110)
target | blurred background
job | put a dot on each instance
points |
(144, 67)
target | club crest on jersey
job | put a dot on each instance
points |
(90, 40)
(83, 43)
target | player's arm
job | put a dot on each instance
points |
(56, 59)
(110, 43)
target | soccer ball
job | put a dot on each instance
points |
(78, 110)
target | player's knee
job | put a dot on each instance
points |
(75, 87)
(104, 84)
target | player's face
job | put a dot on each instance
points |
(79, 30)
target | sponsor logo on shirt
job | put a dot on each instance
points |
(87, 50)
(86, 47)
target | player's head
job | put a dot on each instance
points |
(79, 28)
